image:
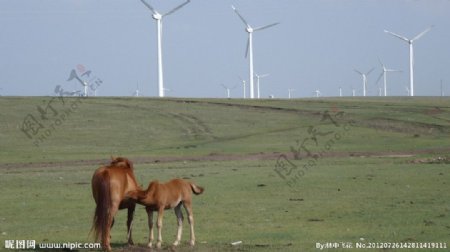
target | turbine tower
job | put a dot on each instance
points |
(384, 74)
(364, 77)
(243, 83)
(257, 81)
(318, 93)
(408, 91)
(249, 50)
(227, 89)
(289, 92)
(158, 17)
(411, 55)
(136, 92)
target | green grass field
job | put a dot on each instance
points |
(369, 170)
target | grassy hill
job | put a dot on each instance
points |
(97, 127)
(349, 169)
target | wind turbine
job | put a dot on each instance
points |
(257, 81)
(243, 83)
(228, 89)
(74, 75)
(95, 89)
(289, 92)
(318, 93)
(411, 55)
(158, 17)
(168, 90)
(249, 49)
(136, 93)
(408, 91)
(384, 74)
(340, 92)
(364, 77)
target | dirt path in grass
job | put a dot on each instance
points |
(225, 157)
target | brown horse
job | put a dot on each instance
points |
(111, 186)
(172, 194)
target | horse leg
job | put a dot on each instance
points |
(130, 223)
(188, 207)
(112, 225)
(159, 226)
(113, 211)
(179, 215)
(150, 227)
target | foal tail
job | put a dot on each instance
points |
(196, 189)
(102, 195)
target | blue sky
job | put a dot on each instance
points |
(316, 46)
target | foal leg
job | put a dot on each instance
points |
(150, 227)
(130, 224)
(159, 226)
(179, 215)
(188, 207)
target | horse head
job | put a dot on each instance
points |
(121, 162)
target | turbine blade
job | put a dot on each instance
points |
(240, 16)
(263, 75)
(223, 86)
(393, 70)
(265, 27)
(381, 63)
(247, 48)
(379, 78)
(398, 36)
(358, 72)
(421, 34)
(177, 8)
(373, 68)
(149, 7)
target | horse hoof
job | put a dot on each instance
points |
(176, 243)
(158, 245)
(150, 245)
(192, 243)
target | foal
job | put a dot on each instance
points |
(172, 194)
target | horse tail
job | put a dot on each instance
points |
(102, 196)
(197, 189)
